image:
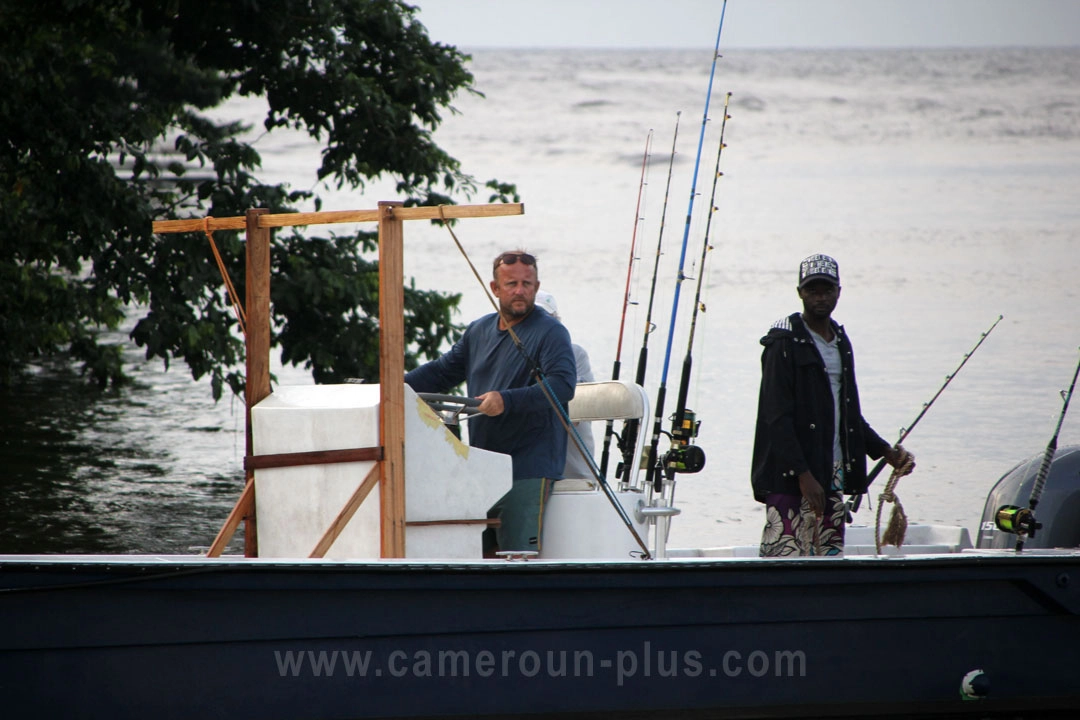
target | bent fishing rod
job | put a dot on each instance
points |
(651, 475)
(1021, 521)
(853, 505)
(610, 430)
(628, 441)
(549, 395)
(685, 457)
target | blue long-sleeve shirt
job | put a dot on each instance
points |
(486, 359)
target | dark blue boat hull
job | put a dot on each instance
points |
(239, 639)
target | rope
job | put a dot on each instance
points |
(234, 299)
(894, 533)
(446, 224)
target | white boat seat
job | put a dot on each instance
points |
(579, 522)
(608, 400)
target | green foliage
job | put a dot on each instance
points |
(104, 127)
(327, 283)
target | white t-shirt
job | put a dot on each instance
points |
(830, 353)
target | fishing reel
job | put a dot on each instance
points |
(687, 430)
(684, 457)
(1016, 520)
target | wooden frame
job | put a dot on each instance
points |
(390, 464)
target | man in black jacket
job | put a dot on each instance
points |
(811, 441)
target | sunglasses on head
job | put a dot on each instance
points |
(510, 258)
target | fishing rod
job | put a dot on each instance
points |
(549, 394)
(651, 475)
(630, 429)
(853, 505)
(683, 456)
(610, 430)
(1021, 521)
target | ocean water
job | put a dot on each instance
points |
(945, 182)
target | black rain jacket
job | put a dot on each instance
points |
(795, 415)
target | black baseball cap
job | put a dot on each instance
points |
(818, 267)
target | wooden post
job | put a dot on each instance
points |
(257, 385)
(391, 380)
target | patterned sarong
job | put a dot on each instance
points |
(792, 529)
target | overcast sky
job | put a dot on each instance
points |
(751, 23)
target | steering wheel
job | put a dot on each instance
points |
(451, 407)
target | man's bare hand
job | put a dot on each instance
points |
(813, 492)
(491, 403)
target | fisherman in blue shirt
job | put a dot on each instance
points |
(516, 418)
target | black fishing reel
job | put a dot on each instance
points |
(686, 431)
(684, 457)
(1016, 520)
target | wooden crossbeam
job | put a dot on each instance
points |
(313, 457)
(451, 212)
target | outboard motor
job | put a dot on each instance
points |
(1058, 512)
